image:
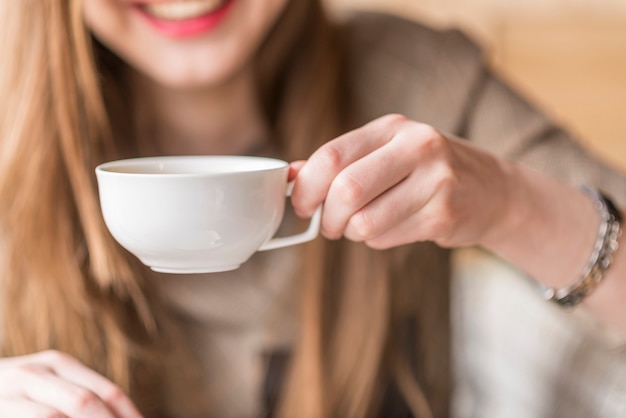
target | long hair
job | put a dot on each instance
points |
(67, 285)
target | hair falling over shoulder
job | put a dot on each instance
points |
(67, 286)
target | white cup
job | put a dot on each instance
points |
(197, 214)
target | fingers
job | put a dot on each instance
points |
(396, 181)
(383, 214)
(321, 169)
(393, 219)
(294, 168)
(75, 372)
(59, 383)
(356, 174)
(27, 408)
(365, 181)
(37, 384)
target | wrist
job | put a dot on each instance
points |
(515, 209)
(547, 228)
(600, 259)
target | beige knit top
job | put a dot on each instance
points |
(232, 321)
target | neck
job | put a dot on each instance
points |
(224, 119)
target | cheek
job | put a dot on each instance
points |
(106, 19)
(112, 24)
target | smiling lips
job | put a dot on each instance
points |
(185, 18)
(182, 10)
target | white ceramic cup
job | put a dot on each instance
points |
(197, 214)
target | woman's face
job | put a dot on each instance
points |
(183, 43)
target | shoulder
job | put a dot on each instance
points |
(406, 64)
(408, 39)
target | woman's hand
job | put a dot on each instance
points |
(52, 384)
(395, 181)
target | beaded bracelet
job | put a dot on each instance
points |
(601, 258)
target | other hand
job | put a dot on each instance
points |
(52, 384)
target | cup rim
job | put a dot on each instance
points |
(107, 167)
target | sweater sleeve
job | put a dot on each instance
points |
(500, 120)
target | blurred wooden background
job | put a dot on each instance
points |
(568, 56)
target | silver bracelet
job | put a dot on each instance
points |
(601, 257)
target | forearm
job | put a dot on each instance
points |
(548, 230)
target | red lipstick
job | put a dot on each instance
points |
(185, 28)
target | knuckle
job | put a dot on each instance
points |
(113, 395)
(438, 148)
(440, 227)
(83, 400)
(331, 156)
(394, 119)
(348, 189)
(20, 374)
(430, 132)
(363, 224)
(55, 356)
(446, 182)
(443, 226)
(431, 142)
(25, 369)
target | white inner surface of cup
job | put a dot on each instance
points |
(192, 165)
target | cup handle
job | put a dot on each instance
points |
(311, 232)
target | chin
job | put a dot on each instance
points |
(193, 76)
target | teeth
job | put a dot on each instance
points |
(181, 10)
